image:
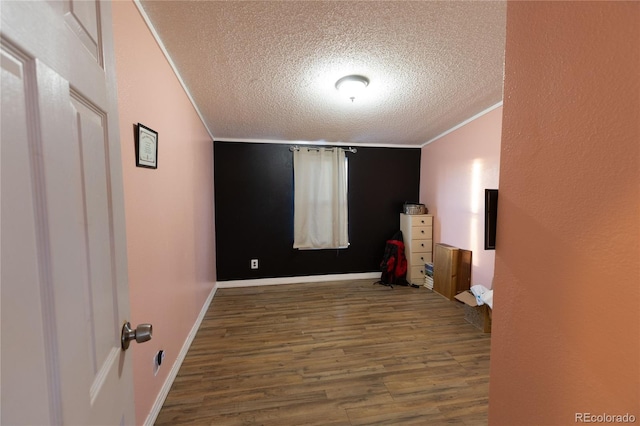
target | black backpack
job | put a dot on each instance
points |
(394, 262)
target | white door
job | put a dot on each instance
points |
(64, 289)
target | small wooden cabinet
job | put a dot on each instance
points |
(417, 232)
(451, 270)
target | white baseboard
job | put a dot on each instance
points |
(296, 280)
(164, 391)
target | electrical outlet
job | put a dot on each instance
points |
(254, 263)
(157, 361)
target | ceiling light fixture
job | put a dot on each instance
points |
(352, 85)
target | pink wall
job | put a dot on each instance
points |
(566, 318)
(454, 173)
(169, 211)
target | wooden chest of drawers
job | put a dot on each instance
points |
(451, 270)
(417, 231)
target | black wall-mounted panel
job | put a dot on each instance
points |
(253, 185)
(490, 218)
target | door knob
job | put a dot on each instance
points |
(141, 334)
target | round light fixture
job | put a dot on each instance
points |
(352, 85)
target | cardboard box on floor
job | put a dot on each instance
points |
(479, 316)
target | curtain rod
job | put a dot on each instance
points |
(297, 148)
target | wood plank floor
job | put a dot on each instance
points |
(339, 353)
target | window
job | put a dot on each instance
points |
(320, 199)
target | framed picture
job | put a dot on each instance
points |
(146, 147)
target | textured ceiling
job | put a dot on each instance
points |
(266, 70)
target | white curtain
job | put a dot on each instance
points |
(320, 199)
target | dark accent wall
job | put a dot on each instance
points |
(254, 210)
